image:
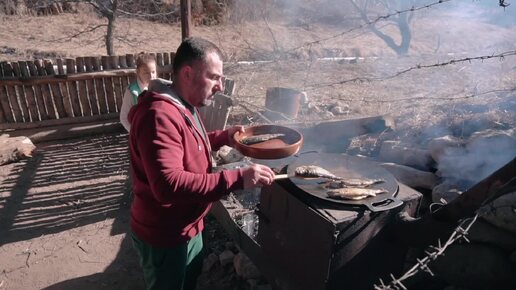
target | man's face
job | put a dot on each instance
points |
(207, 80)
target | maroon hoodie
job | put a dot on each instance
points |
(170, 162)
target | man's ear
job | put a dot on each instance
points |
(187, 72)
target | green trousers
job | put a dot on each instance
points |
(174, 268)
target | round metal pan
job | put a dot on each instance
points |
(348, 167)
(277, 148)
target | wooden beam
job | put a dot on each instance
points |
(75, 77)
(58, 122)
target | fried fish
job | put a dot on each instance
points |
(353, 182)
(260, 138)
(308, 171)
(354, 193)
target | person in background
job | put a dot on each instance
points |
(145, 72)
(173, 183)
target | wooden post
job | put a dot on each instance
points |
(130, 60)
(105, 62)
(122, 61)
(186, 18)
(60, 67)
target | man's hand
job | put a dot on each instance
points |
(257, 175)
(232, 131)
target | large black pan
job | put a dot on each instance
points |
(348, 167)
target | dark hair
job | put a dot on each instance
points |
(193, 49)
(144, 58)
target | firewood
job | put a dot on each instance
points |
(445, 192)
(393, 151)
(13, 149)
(442, 145)
(411, 176)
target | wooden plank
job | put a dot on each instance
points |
(45, 90)
(83, 97)
(7, 113)
(30, 95)
(99, 86)
(110, 94)
(64, 90)
(83, 91)
(20, 94)
(125, 84)
(119, 91)
(15, 104)
(90, 85)
(32, 68)
(72, 88)
(40, 67)
(57, 95)
(38, 90)
(16, 69)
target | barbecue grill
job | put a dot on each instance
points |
(307, 241)
(314, 242)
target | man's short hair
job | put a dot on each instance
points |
(193, 49)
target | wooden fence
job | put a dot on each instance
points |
(44, 92)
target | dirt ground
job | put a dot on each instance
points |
(64, 212)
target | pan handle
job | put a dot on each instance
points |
(386, 204)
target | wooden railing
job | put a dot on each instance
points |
(44, 92)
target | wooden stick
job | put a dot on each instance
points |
(281, 176)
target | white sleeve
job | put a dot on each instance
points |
(127, 103)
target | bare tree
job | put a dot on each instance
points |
(401, 20)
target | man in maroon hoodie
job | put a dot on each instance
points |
(171, 168)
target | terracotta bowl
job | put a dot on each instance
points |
(271, 149)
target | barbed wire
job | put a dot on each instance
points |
(433, 252)
(467, 96)
(378, 19)
(419, 66)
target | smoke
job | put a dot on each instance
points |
(483, 154)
